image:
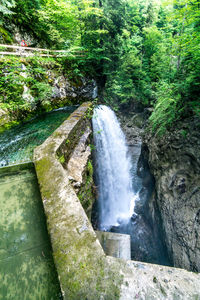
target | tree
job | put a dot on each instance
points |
(6, 6)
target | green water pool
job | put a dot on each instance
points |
(27, 271)
(17, 143)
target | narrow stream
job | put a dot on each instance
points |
(121, 202)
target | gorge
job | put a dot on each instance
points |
(75, 247)
(122, 204)
(99, 150)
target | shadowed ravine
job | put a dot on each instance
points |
(122, 197)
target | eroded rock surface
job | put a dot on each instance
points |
(175, 162)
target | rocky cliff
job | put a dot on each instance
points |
(172, 209)
(174, 160)
(147, 244)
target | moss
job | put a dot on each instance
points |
(67, 141)
(57, 134)
(42, 166)
(155, 279)
(86, 195)
(5, 36)
(88, 275)
(62, 159)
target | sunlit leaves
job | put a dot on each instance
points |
(6, 6)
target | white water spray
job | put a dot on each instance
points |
(116, 198)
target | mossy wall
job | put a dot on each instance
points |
(79, 258)
(86, 193)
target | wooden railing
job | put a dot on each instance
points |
(30, 51)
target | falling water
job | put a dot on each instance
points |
(116, 199)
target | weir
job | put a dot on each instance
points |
(84, 270)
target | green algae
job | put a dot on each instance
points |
(86, 193)
(26, 263)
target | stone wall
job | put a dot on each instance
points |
(84, 271)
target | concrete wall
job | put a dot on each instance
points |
(115, 244)
(84, 271)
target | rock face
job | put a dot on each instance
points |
(4, 117)
(63, 88)
(175, 162)
(146, 237)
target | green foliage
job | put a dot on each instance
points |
(90, 169)
(42, 92)
(62, 159)
(14, 76)
(142, 53)
(6, 6)
(5, 36)
(11, 85)
(160, 62)
(184, 133)
(167, 109)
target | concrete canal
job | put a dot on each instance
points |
(26, 261)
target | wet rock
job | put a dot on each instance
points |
(4, 117)
(144, 246)
(146, 237)
(131, 129)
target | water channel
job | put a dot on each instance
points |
(26, 262)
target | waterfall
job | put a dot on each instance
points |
(115, 195)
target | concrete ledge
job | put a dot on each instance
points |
(16, 168)
(115, 244)
(84, 271)
(78, 255)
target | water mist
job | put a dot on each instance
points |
(115, 195)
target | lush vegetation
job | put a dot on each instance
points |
(142, 52)
(27, 84)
